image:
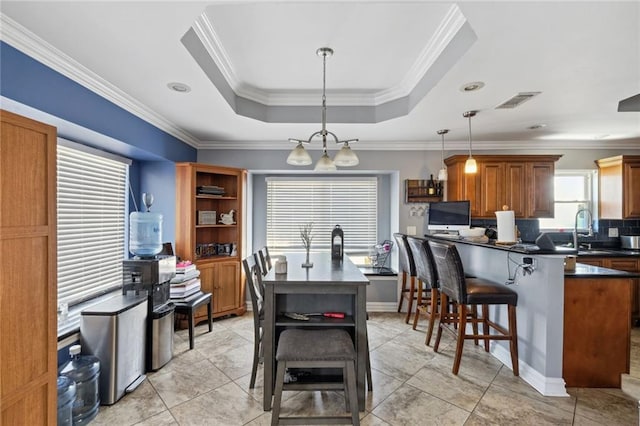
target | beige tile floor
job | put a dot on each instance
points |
(412, 385)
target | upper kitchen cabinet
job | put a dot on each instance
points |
(522, 182)
(619, 187)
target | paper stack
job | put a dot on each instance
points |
(186, 283)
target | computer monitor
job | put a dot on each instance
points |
(449, 216)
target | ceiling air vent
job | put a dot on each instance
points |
(517, 100)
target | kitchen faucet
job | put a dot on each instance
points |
(575, 226)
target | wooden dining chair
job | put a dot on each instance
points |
(253, 276)
(265, 260)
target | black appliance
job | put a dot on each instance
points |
(151, 277)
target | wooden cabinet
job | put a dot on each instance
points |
(28, 284)
(522, 182)
(596, 331)
(629, 264)
(461, 186)
(203, 193)
(619, 187)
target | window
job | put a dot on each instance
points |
(351, 203)
(91, 222)
(573, 190)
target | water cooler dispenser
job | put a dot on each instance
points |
(150, 277)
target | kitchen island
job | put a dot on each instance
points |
(540, 310)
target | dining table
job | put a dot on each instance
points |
(330, 285)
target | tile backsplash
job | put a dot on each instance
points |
(529, 230)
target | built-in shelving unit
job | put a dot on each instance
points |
(201, 235)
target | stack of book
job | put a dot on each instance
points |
(210, 190)
(186, 284)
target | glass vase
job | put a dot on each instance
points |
(307, 263)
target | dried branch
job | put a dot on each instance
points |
(305, 234)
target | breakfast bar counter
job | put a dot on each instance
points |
(542, 318)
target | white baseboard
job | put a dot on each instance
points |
(547, 386)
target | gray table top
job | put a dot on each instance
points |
(324, 271)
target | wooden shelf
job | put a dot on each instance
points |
(417, 191)
(216, 226)
(214, 197)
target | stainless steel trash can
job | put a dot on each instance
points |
(162, 335)
(115, 332)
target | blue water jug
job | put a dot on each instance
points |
(84, 370)
(66, 398)
(145, 230)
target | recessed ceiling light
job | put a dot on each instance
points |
(537, 126)
(471, 87)
(179, 87)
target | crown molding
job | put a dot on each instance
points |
(30, 44)
(451, 24)
(532, 145)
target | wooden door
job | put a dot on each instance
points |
(28, 282)
(226, 287)
(515, 194)
(492, 187)
(539, 188)
(631, 190)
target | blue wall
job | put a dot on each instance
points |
(31, 83)
(155, 152)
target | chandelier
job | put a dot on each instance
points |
(345, 157)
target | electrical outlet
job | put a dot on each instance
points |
(613, 232)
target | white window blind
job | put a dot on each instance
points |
(91, 224)
(351, 203)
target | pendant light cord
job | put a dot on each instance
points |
(470, 142)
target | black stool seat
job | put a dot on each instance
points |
(189, 307)
(483, 292)
(315, 345)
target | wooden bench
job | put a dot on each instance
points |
(189, 307)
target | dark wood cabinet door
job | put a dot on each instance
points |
(515, 188)
(492, 187)
(539, 189)
(631, 191)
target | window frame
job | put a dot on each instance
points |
(322, 241)
(591, 202)
(72, 240)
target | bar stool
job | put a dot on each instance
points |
(408, 269)
(426, 273)
(303, 348)
(474, 292)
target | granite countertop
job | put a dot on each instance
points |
(589, 271)
(527, 248)
(522, 248)
(608, 252)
